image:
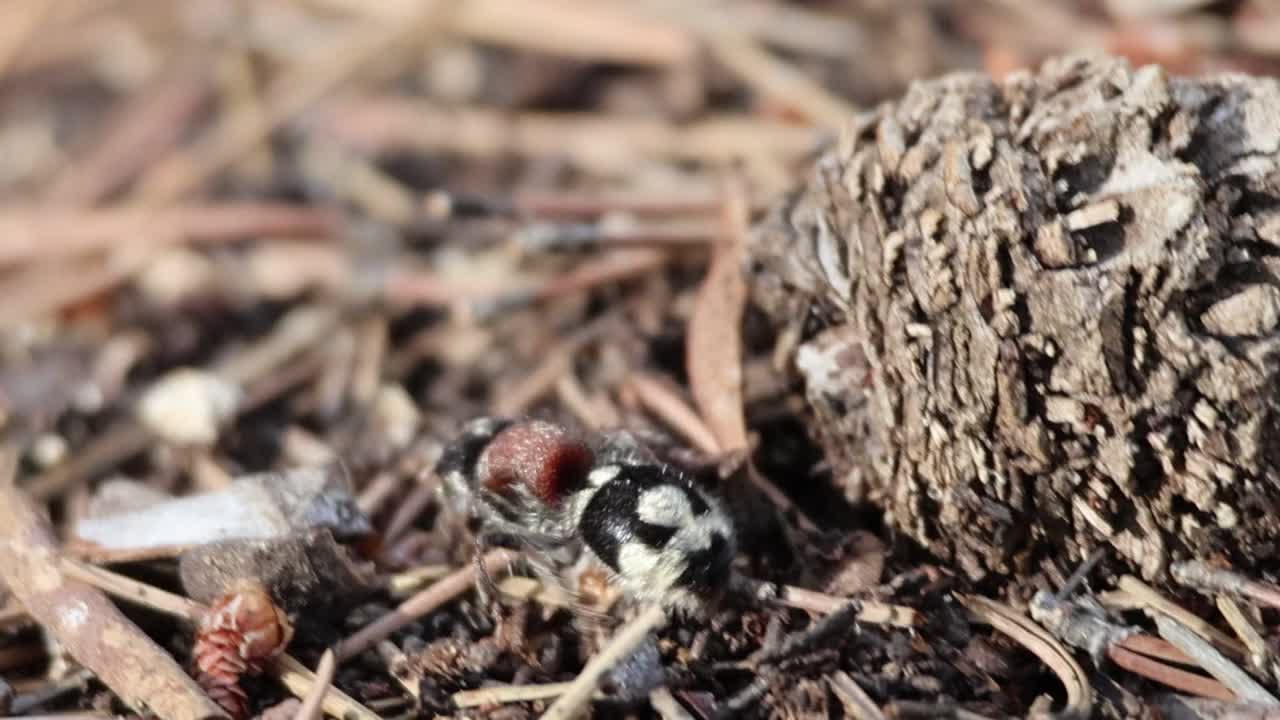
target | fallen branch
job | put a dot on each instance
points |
(81, 617)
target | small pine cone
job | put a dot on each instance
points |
(239, 634)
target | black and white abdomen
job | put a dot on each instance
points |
(664, 539)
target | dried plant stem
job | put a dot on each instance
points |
(51, 232)
(299, 680)
(131, 590)
(424, 602)
(555, 364)
(666, 705)
(1214, 662)
(409, 509)
(411, 581)
(564, 237)
(1156, 648)
(859, 705)
(1259, 651)
(374, 496)
(904, 709)
(398, 666)
(576, 697)
(568, 205)
(592, 31)
(1135, 593)
(876, 613)
(81, 617)
(310, 708)
(505, 694)
(589, 411)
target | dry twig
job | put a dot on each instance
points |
(95, 633)
(310, 709)
(593, 31)
(299, 680)
(859, 705)
(1133, 593)
(1219, 580)
(714, 354)
(505, 694)
(876, 613)
(575, 698)
(1214, 662)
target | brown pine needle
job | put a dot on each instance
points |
(1182, 680)
(663, 402)
(430, 599)
(1042, 644)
